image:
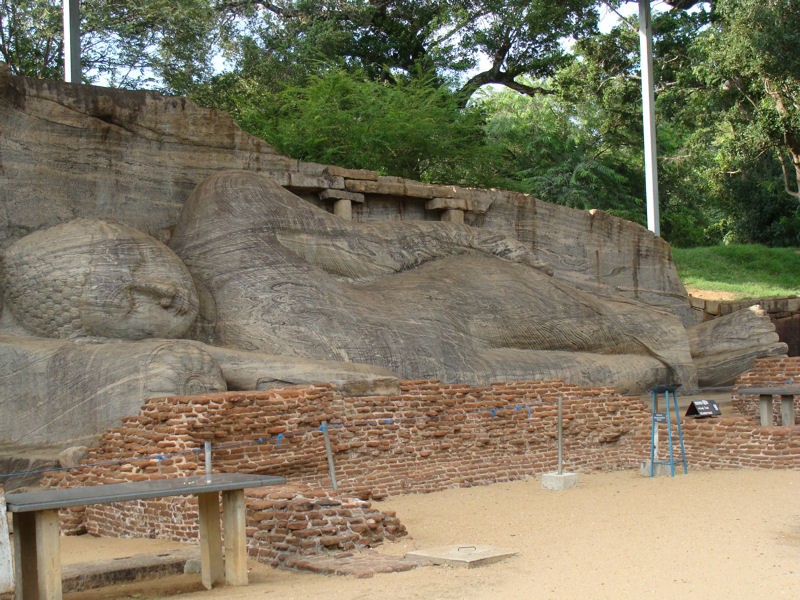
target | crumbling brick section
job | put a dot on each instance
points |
(429, 437)
(290, 523)
(284, 524)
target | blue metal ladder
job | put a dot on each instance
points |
(666, 418)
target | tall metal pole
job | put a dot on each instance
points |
(72, 40)
(209, 471)
(649, 117)
(329, 453)
(560, 439)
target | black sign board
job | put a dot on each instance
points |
(703, 408)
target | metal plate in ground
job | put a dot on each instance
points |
(465, 555)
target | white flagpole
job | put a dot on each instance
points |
(649, 117)
(72, 40)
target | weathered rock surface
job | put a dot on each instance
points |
(430, 300)
(63, 392)
(58, 391)
(70, 150)
(245, 370)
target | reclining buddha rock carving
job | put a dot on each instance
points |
(426, 299)
(287, 293)
(86, 307)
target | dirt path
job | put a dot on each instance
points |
(711, 294)
(711, 534)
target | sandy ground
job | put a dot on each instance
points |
(709, 534)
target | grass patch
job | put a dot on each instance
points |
(748, 271)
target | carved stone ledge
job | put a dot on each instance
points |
(331, 194)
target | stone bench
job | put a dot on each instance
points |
(765, 395)
(37, 557)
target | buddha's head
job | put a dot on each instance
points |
(96, 278)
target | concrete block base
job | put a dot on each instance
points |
(559, 481)
(660, 469)
(465, 556)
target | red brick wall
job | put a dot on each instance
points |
(429, 437)
(736, 443)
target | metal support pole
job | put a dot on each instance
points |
(669, 433)
(207, 446)
(6, 563)
(560, 439)
(649, 117)
(653, 433)
(329, 453)
(72, 40)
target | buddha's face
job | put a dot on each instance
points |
(93, 278)
(137, 288)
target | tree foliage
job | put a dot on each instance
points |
(556, 151)
(754, 52)
(169, 41)
(154, 43)
(31, 37)
(748, 63)
(410, 127)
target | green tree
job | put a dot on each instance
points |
(410, 128)
(554, 150)
(170, 43)
(522, 38)
(156, 43)
(754, 53)
(602, 88)
(31, 37)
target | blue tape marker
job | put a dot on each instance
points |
(388, 421)
(278, 440)
(494, 412)
(323, 428)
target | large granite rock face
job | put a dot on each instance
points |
(70, 151)
(292, 272)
